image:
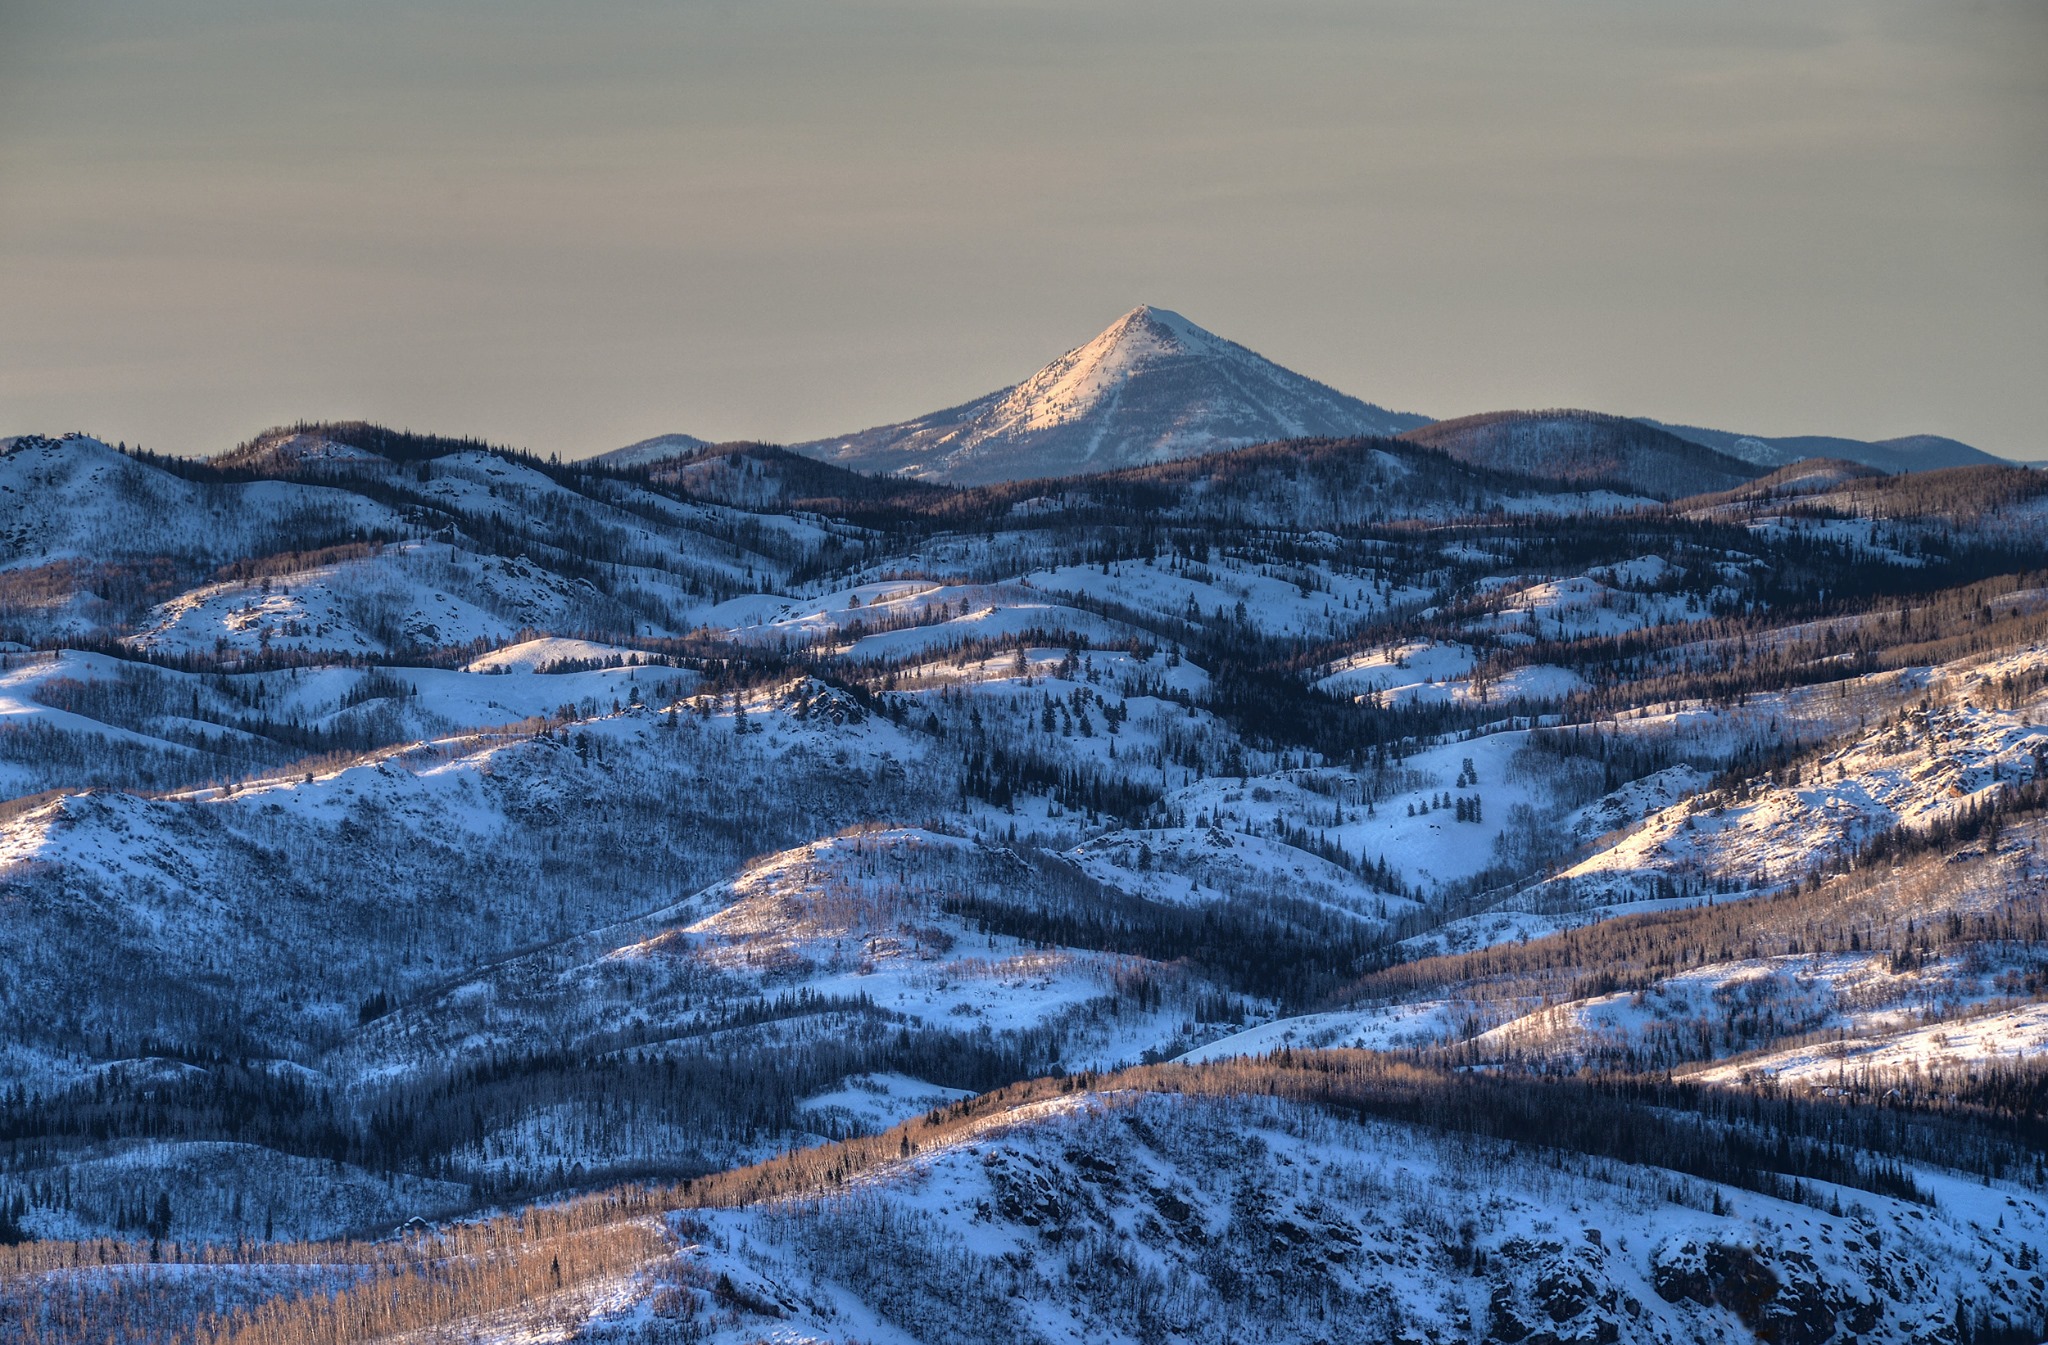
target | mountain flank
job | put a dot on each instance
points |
(1908, 453)
(1586, 447)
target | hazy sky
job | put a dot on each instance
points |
(569, 226)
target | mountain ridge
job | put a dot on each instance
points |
(1585, 446)
(656, 449)
(1906, 453)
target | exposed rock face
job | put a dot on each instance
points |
(1552, 1294)
(1792, 1303)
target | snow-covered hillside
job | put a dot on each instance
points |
(1908, 453)
(1586, 446)
(652, 450)
(1921, 767)
(76, 498)
(395, 826)
(1122, 1216)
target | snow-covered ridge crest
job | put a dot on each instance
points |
(656, 449)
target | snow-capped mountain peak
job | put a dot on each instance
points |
(1080, 381)
(1152, 387)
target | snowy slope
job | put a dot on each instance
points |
(300, 451)
(1307, 599)
(1910, 453)
(76, 497)
(905, 619)
(1971, 1042)
(652, 450)
(196, 886)
(1186, 866)
(1585, 446)
(1151, 388)
(90, 537)
(1921, 768)
(411, 597)
(1424, 823)
(1123, 1216)
(495, 829)
(228, 1192)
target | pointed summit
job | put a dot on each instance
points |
(1151, 388)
